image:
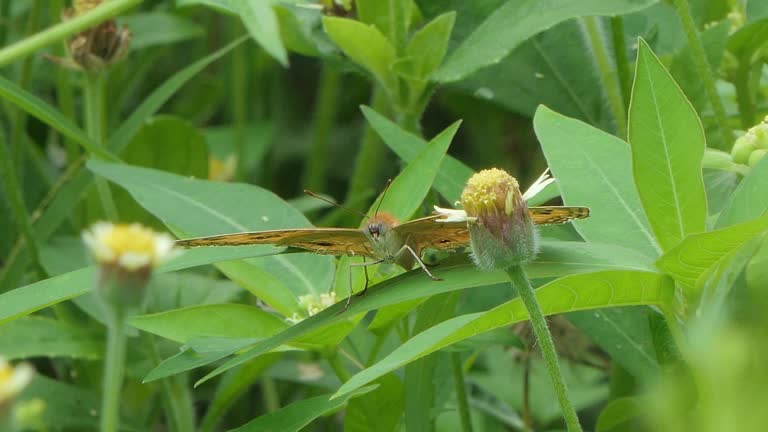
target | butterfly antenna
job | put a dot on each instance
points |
(383, 194)
(314, 195)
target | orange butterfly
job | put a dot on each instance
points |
(382, 238)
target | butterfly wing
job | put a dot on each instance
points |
(427, 232)
(548, 215)
(330, 241)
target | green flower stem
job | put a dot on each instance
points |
(64, 92)
(744, 94)
(325, 116)
(240, 108)
(705, 72)
(720, 160)
(94, 88)
(16, 199)
(178, 400)
(461, 392)
(5, 17)
(27, 46)
(622, 61)
(114, 369)
(334, 360)
(369, 157)
(609, 75)
(520, 281)
(271, 396)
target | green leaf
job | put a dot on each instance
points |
(298, 414)
(364, 45)
(749, 200)
(44, 337)
(260, 20)
(571, 293)
(37, 108)
(220, 5)
(452, 174)
(618, 413)
(514, 22)
(591, 168)
(31, 298)
(428, 45)
(411, 186)
(624, 334)
(166, 143)
(749, 40)
(667, 143)
(161, 95)
(193, 207)
(379, 411)
(220, 320)
(159, 28)
(690, 259)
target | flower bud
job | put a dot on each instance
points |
(502, 233)
(126, 255)
(743, 147)
(755, 157)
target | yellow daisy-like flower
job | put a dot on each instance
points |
(13, 379)
(129, 246)
(222, 170)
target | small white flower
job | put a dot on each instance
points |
(313, 304)
(130, 246)
(13, 379)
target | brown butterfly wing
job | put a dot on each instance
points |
(330, 241)
(548, 215)
(427, 232)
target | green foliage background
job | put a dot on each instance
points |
(633, 104)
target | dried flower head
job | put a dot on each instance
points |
(98, 47)
(500, 228)
(13, 379)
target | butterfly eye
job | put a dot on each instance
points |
(373, 229)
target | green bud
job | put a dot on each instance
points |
(743, 147)
(502, 233)
(755, 157)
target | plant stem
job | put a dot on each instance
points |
(271, 396)
(609, 75)
(461, 392)
(334, 360)
(179, 401)
(622, 62)
(60, 31)
(705, 72)
(64, 93)
(114, 368)
(368, 162)
(744, 94)
(94, 115)
(520, 282)
(325, 115)
(16, 199)
(240, 108)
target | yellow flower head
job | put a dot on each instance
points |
(491, 190)
(83, 6)
(13, 379)
(313, 304)
(129, 246)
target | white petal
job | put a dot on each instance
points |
(543, 181)
(132, 261)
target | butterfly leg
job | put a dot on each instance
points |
(421, 263)
(364, 265)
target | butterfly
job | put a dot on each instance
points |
(382, 238)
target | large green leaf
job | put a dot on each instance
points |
(366, 46)
(409, 188)
(452, 174)
(495, 38)
(591, 167)
(44, 337)
(667, 143)
(192, 207)
(297, 415)
(691, 259)
(750, 199)
(260, 20)
(159, 28)
(219, 320)
(577, 292)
